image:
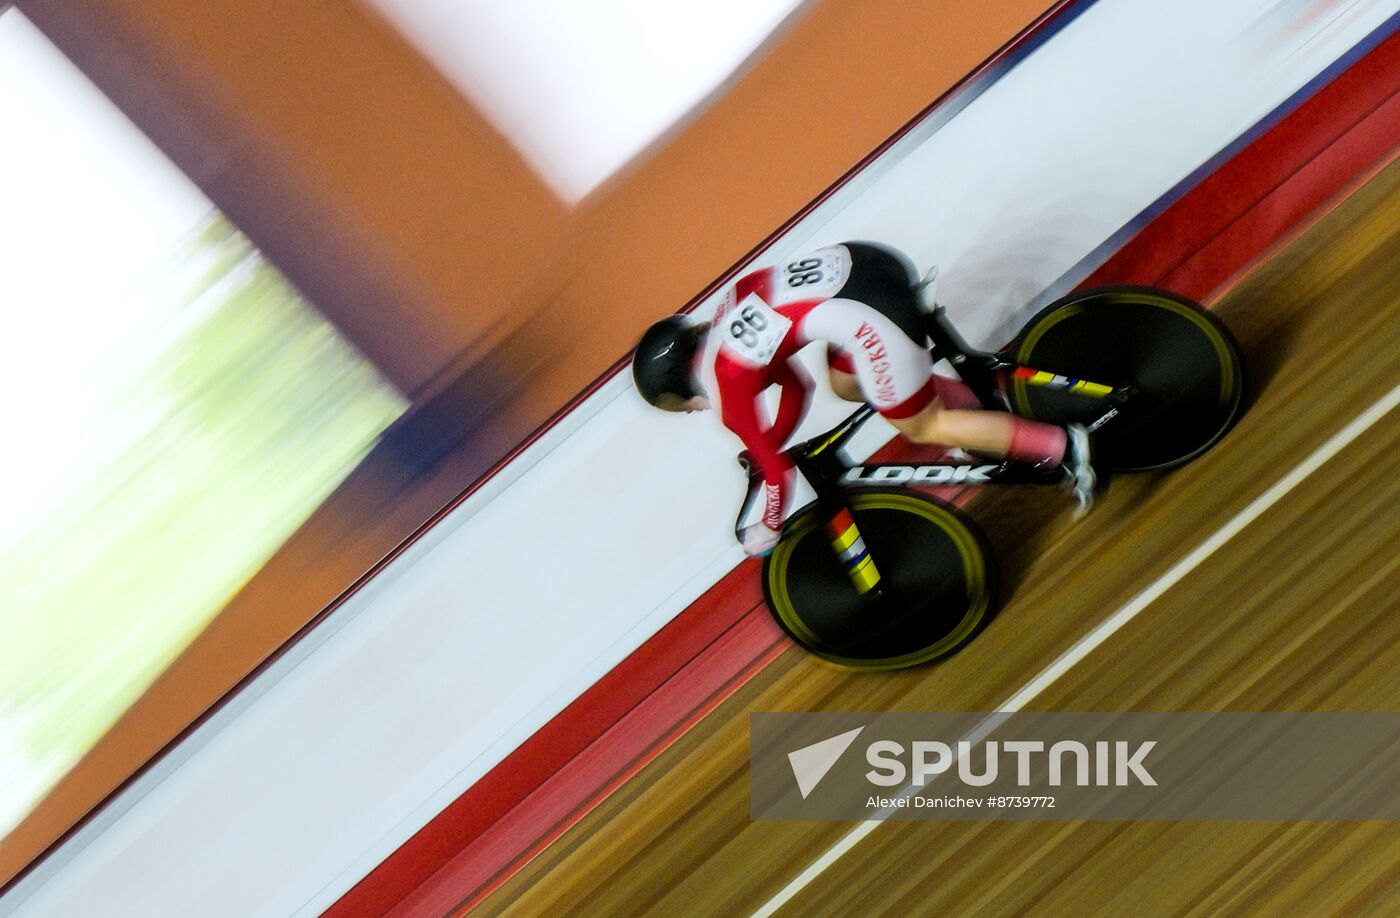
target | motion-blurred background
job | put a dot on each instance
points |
(280, 283)
(240, 242)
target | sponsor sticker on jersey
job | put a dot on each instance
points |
(753, 330)
(815, 276)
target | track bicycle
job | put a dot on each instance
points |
(873, 576)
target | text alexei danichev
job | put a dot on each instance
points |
(999, 802)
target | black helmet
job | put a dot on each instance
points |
(664, 359)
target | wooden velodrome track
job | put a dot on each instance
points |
(1298, 611)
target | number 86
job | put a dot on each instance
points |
(804, 272)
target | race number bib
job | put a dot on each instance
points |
(815, 276)
(752, 331)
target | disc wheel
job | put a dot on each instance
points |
(1182, 360)
(937, 575)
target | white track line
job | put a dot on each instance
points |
(1085, 645)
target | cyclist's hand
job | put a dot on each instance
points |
(758, 539)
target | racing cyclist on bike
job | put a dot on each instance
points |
(862, 301)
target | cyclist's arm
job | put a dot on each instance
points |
(795, 399)
(743, 414)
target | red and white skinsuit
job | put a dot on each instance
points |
(769, 315)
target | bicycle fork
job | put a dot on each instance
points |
(849, 546)
(821, 467)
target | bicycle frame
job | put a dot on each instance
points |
(820, 460)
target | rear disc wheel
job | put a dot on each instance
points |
(1182, 360)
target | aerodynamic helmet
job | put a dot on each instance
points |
(665, 356)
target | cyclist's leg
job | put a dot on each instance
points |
(893, 372)
(846, 386)
(886, 281)
(951, 393)
(1000, 434)
(896, 376)
(993, 432)
(881, 297)
(841, 371)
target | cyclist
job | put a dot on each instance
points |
(862, 301)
